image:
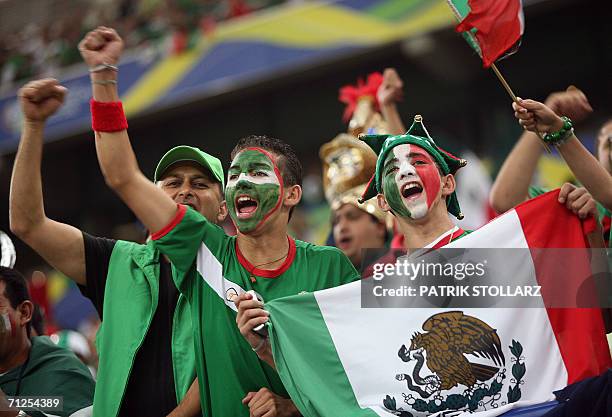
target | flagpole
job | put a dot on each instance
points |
(504, 82)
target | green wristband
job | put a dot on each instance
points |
(563, 134)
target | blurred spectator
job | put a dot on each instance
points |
(238, 8)
(77, 344)
(33, 366)
(39, 49)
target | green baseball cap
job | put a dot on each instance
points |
(185, 153)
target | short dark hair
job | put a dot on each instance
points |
(16, 288)
(288, 162)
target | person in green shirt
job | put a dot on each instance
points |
(214, 271)
(35, 366)
(144, 318)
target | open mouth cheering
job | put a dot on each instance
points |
(411, 182)
(246, 206)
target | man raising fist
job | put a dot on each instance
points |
(145, 342)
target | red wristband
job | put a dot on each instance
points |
(107, 117)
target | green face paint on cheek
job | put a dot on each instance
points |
(391, 192)
(253, 190)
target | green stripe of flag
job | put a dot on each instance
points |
(460, 9)
(321, 368)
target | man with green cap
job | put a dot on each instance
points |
(145, 341)
(414, 180)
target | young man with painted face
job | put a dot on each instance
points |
(415, 181)
(144, 318)
(211, 268)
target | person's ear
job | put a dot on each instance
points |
(382, 203)
(24, 312)
(448, 185)
(293, 195)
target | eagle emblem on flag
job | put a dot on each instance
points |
(449, 338)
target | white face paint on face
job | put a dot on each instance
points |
(408, 180)
(411, 181)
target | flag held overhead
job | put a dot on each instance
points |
(492, 27)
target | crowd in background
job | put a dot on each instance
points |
(171, 26)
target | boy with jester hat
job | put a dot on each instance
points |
(234, 365)
(414, 180)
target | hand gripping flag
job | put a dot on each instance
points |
(493, 28)
(338, 359)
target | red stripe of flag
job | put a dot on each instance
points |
(580, 332)
(498, 26)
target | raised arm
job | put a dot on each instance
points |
(61, 245)
(388, 94)
(598, 182)
(516, 174)
(101, 50)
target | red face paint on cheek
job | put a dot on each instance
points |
(431, 180)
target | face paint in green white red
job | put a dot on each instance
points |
(411, 181)
(254, 189)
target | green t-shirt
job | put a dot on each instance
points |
(52, 371)
(209, 271)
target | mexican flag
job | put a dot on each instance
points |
(493, 28)
(337, 359)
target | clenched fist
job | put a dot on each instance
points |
(101, 46)
(265, 403)
(572, 103)
(390, 91)
(41, 98)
